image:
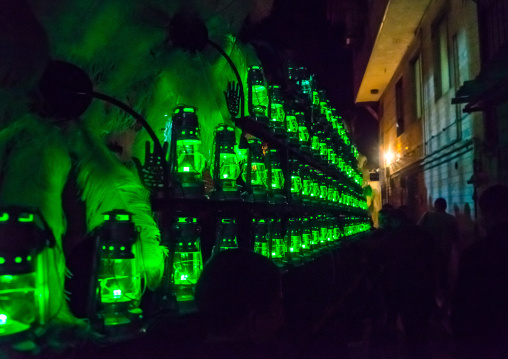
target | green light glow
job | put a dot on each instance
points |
(4, 217)
(117, 293)
(106, 217)
(111, 248)
(122, 217)
(292, 124)
(3, 319)
(29, 218)
(122, 248)
(18, 260)
(188, 109)
(2, 260)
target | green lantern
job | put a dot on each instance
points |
(262, 240)
(315, 189)
(292, 127)
(315, 92)
(303, 132)
(279, 247)
(187, 161)
(257, 93)
(304, 81)
(294, 240)
(118, 291)
(331, 190)
(23, 271)
(323, 188)
(254, 171)
(315, 230)
(306, 236)
(306, 182)
(276, 110)
(225, 168)
(296, 181)
(187, 259)
(275, 180)
(226, 235)
(323, 230)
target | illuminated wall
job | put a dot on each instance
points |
(433, 154)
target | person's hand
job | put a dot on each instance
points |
(151, 172)
(232, 95)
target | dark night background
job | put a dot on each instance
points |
(299, 31)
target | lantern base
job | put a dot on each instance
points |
(279, 131)
(257, 195)
(218, 195)
(276, 198)
(120, 326)
(293, 140)
(189, 191)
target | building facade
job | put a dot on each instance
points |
(413, 58)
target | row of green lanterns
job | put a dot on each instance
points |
(262, 172)
(299, 239)
(116, 290)
(266, 105)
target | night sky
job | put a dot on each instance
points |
(299, 30)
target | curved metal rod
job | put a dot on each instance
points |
(237, 74)
(140, 119)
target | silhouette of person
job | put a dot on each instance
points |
(480, 306)
(239, 295)
(445, 231)
(409, 281)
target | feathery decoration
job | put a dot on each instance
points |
(107, 185)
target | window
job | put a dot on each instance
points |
(399, 107)
(456, 73)
(418, 87)
(441, 60)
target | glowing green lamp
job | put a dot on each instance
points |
(23, 271)
(306, 183)
(226, 235)
(187, 162)
(276, 110)
(306, 236)
(295, 240)
(275, 179)
(279, 246)
(118, 290)
(254, 172)
(292, 127)
(303, 132)
(225, 168)
(258, 100)
(187, 259)
(296, 181)
(262, 240)
(315, 191)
